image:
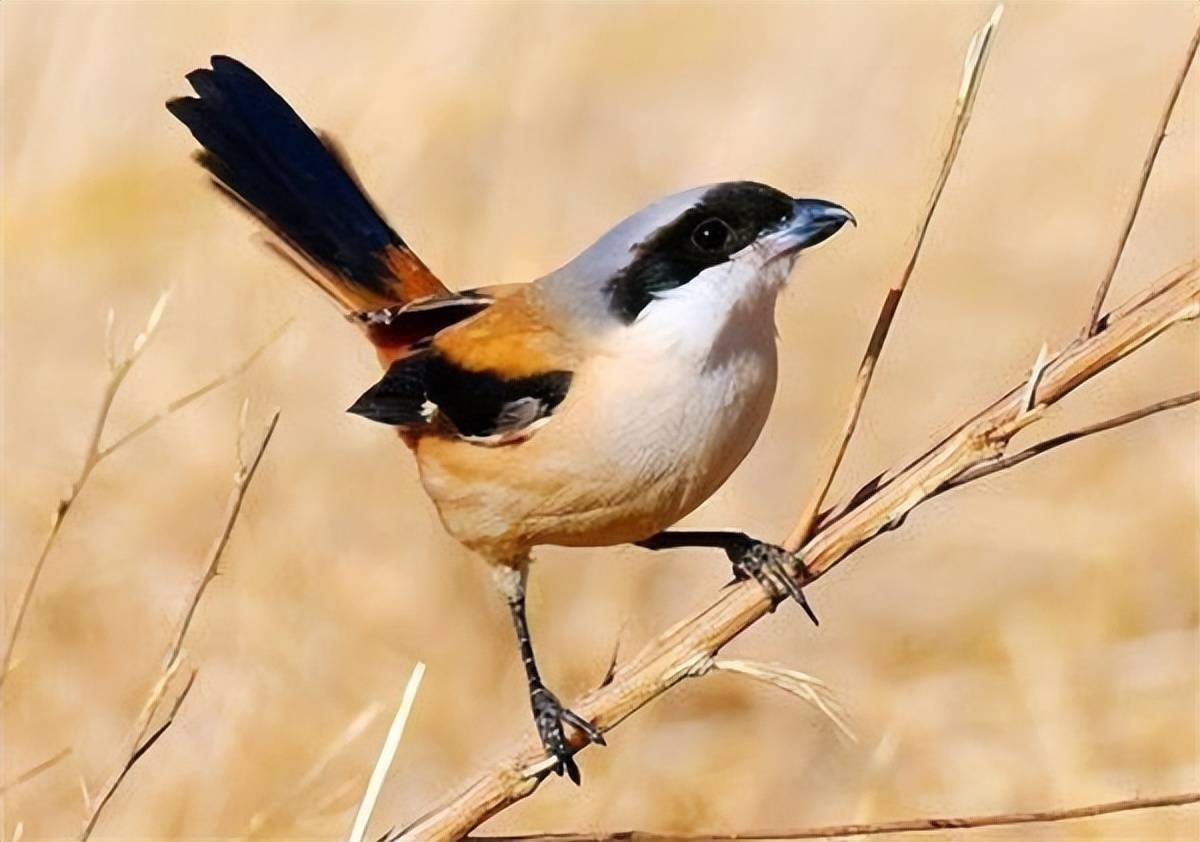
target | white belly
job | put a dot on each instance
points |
(669, 432)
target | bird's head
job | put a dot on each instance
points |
(719, 245)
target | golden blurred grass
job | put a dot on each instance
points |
(1031, 642)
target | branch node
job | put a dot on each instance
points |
(1035, 377)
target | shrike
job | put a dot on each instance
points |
(597, 405)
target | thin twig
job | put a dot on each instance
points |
(1005, 462)
(878, 828)
(134, 756)
(118, 370)
(1035, 377)
(685, 649)
(32, 772)
(973, 66)
(153, 700)
(386, 755)
(179, 403)
(1160, 133)
(143, 739)
(807, 687)
(233, 507)
(284, 803)
(158, 732)
(95, 453)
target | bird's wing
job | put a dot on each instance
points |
(493, 377)
(400, 328)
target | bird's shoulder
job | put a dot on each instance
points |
(514, 337)
(492, 378)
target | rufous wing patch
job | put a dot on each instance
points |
(511, 338)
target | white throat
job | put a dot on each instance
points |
(723, 310)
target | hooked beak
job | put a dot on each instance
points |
(812, 221)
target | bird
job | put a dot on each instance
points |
(596, 405)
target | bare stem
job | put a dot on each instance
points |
(386, 755)
(180, 402)
(262, 822)
(143, 738)
(1005, 462)
(95, 453)
(34, 771)
(233, 507)
(1160, 133)
(118, 370)
(976, 61)
(137, 754)
(879, 828)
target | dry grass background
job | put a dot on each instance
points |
(1027, 643)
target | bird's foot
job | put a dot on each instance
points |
(549, 716)
(773, 567)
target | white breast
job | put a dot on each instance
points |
(684, 430)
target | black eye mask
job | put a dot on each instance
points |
(727, 219)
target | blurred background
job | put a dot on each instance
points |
(1027, 642)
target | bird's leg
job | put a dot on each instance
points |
(548, 713)
(776, 569)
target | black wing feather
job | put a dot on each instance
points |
(480, 402)
(399, 397)
(477, 403)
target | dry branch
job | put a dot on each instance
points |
(386, 755)
(143, 738)
(1160, 134)
(1011, 461)
(197, 393)
(118, 370)
(687, 648)
(138, 752)
(879, 828)
(32, 772)
(261, 823)
(241, 482)
(807, 688)
(95, 453)
(973, 66)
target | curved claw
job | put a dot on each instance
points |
(792, 589)
(766, 564)
(549, 716)
(591, 731)
(568, 764)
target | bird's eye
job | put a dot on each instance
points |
(712, 235)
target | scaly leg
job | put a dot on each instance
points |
(769, 565)
(548, 713)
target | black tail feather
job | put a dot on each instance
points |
(260, 150)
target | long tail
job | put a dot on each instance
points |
(259, 152)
